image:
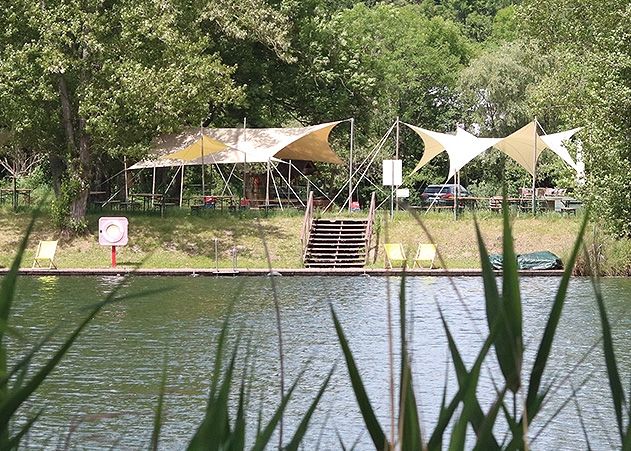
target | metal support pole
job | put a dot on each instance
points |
(153, 187)
(203, 166)
(396, 157)
(245, 161)
(267, 186)
(457, 188)
(534, 169)
(126, 180)
(181, 185)
(350, 166)
(289, 179)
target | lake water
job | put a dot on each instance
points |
(105, 389)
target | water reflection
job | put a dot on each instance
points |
(106, 389)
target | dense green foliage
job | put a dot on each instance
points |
(86, 83)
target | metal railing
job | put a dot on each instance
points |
(306, 225)
(369, 223)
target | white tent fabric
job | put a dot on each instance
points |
(555, 141)
(251, 145)
(526, 145)
(461, 147)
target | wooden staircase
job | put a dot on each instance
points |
(336, 243)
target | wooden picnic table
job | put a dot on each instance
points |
(219, 201)
(25, 193)
(149, 200)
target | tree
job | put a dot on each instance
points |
(96, 78)
(591, 88)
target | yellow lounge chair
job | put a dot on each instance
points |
(424, 253)
(395, 255)
(45, 252)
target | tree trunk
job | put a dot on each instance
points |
(73, 127)
(57, 168)
(80, 202)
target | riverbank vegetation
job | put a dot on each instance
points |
(180, 240)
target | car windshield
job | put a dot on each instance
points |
(445, 189)
(435, 189)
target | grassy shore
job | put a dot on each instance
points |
(181, 240)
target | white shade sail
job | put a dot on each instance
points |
(526, 145)
(555, 141)
(239, 145)
(461, 147)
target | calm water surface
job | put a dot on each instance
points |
(104, 392)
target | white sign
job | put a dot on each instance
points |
(113, 231)
(403, 193)
(392, 172)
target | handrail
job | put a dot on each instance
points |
(306, 225)
(369, 224)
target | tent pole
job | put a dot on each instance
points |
(289, 179)
(396, 157)
(181, 185)
(457, 182)
(153, 185)
(267, 186)
(203, 167)
(280, 204)
(245, 161)
(534, 169)
(126, 180)
(350, 166)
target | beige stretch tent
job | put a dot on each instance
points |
(526, 145)
(242, 145)
(461, 147)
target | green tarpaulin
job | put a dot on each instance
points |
(533, 260)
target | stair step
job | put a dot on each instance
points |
(336, 255)
(336, 262)
(335, 237)
(335, 249)
(335, 265)
(340, 221)
(337, 243)
(338, 230)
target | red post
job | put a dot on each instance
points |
(113, 256)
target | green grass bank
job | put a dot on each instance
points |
(182, 240)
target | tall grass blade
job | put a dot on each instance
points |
(304, 424)
(237, 438)
(262, 439)
(370, 419)
(579, 413)
(486, 440)
(510, 359)
(7, 293)
(214, 431)
(14, 442)
(340, 441)
(221, 341)
(409, 423)
(477, 415)
(157, 420)
(459, 434)
(468, 382)
(14, 399)
(533, 400)
(615, 384)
